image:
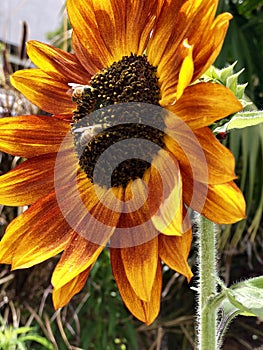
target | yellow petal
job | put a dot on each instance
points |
(62, 296)
(186, 71)
(30, 136)
(165, 175)
(224, 203)
(146, 311)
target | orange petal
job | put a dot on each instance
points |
(86, 18)
(38, 234)
(220, 161)
(60, 65)
(146, 311)
(47, 93)
(174, 252)
(62, 296)
(204, 103)
(30, 136)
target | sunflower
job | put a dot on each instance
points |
(127, 149)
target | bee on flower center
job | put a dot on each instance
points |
(88, 132)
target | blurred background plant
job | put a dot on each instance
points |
(96, 318)
(13, 337)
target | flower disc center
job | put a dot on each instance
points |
(98, 124)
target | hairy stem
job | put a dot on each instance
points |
(207, 313)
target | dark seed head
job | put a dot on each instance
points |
(97, 126)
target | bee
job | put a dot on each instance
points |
(88, 132)
(77, 91)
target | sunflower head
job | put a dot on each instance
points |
(127, 150)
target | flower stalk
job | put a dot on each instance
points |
(207, 313)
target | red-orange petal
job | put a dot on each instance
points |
(37, 176)
(135, 225)
(62, 296)
(185, 20)
(79, 255)
(146, 311)
(211, 44)
(36, 235)
(60, 65)
(30, 136)
(203, 103)
(49, 94)
(174, 81)
(166, 37)
(93, 213)
(105, 31)
(29, 181)
(199, 153)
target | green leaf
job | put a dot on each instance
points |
(38, 339)
(242, 120)
(247, 297)
(21, 330)
(256, 282)
(21, 345)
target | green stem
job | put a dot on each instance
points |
(207, 314)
